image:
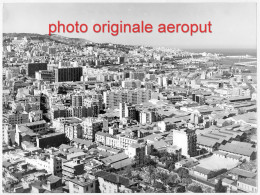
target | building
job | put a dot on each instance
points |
(137, 152)
(120, 59)
(187, 140)
(174, 150)
(8, 134)
(72, 168)
(82, 143)
(127, 110)
(112, 141)
(110, 160)
(168, 124)
(147, 116)
(209, 143)
(32, 68)
(29, 131)
(247, 185)
(16, 118)
(113, 183)
(131, 84)
(230, 184)
(136, 96)
(70, 126)
(92, 108)
(137, 75)
(242, 149)
(203, 173)
(126, 140)
(100, 137)
(52, 50)
(237, 173)
(82, 185)
(90, 126)
(68, 74)
(173, 99)
(77, 100)
(45, 75)
(73, 131)
(50, 163)
(186, 163)
(51, 140)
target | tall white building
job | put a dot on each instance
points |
(186, 140)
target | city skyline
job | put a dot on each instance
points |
(222, 15)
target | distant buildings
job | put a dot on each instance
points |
(110, 111)
(131, 84)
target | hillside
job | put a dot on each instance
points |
(54, 37)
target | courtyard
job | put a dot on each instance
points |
(215, 163)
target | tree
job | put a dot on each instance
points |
(219, 188)
(196, 189)
(128, 171)
(138, 177)
(170, 166)
(151, 173)
(149, 162)
(163, 159)
(180, 189)
(156, 153)
(186, 181)
(183, 173)
(163, 176)
(172, 179)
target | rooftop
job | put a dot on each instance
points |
(114, 158)
(237, 149)
(243, 173)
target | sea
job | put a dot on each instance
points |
(226, 52)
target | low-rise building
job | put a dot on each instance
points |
(113, 183)
(72, 168)
(247, 185)
(82, 185)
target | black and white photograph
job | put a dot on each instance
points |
(129, 97)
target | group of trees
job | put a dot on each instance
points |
(184, 176)
(44, 107)
(146, 161)
(156, 177)
(195, 188)
(166, 158)
(219, 188)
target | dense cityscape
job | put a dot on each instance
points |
(86, 117)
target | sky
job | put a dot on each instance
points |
(234, 25)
